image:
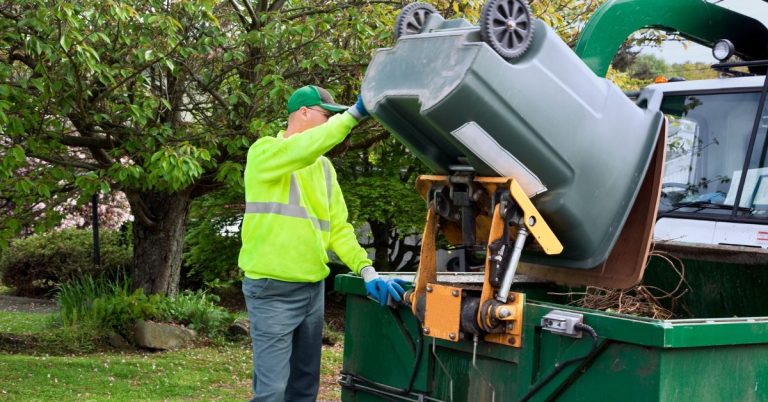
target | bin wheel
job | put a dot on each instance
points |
(411, 19)
(506, 26)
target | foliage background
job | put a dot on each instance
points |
(160, 101)
(36, 265)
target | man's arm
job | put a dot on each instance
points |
(276, 157)
(343, 238)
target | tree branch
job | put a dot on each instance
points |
(370, 141)
(100, 94)
(24, 58)
(333, 8)
(206, 87)
(239, 14)
(140, 210)
(254, 16)
(64, 162)
(86, 130)
(278, 4)
(86, 142)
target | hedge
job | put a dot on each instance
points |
(35, 265)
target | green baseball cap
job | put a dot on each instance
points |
(312, 95)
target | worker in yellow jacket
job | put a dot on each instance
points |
(295, 213)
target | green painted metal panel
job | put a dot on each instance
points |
(735, 373)
(622, 372)
(698, 20)
(639, 359)
(381, 343)
(664, 333)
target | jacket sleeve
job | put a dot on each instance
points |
(276, 157)
(343, 238)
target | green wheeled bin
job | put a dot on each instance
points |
(575, 143)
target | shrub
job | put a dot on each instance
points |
(37, 264)
(120, 311)
(210, 254)
(212, 240)
(75, 298)
(198, 311)
(105, 305)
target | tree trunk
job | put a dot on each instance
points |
(380, 232)
(158, 239)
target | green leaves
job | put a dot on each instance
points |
(173, 169)
(65, 42)
(230, 173)
(158, 95)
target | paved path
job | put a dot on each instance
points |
(25, 304)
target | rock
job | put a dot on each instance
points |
(155, 335)
(239, 329)
(118, 342)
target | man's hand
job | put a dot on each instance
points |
(358, 111)
(380, 289)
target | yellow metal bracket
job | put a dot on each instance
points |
(443, 312)
(427, 272)
(510, 316)
(534, 222)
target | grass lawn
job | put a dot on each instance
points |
(195, 374)
(220, 373)
(24, 323)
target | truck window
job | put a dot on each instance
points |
(754, 196)
(707, 144)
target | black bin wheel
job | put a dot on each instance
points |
(412, 18)
(506, 26)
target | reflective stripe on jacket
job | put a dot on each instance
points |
(294, 211)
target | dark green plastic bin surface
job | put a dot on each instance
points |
(573, 140)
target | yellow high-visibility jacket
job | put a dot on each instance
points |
(294, 209)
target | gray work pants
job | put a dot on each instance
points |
(286, 321)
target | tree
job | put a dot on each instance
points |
(379, 189)
(566, 17)
(648, 66)
(693, 71)
(158, 99)
(625, 57)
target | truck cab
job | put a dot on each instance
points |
(711, 141)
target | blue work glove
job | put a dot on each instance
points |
(358, 111)
(380, 289)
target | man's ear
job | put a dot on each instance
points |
(304, 113)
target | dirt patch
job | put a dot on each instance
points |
(18, 344)
(335, 309)
(27, 305)
(330, 390)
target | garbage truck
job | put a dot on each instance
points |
(564, 195)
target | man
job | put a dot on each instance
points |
(294, 213)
